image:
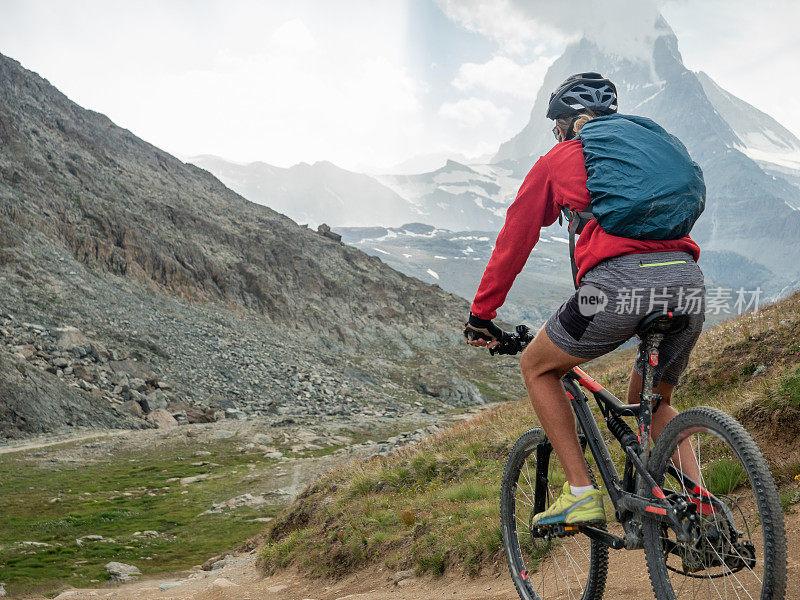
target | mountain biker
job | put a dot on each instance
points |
(608, 266)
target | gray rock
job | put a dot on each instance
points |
(261, 438)
(137, 384)
(132, 408)
(235, 413)
(122, 573)
(161, 419)
(153, 401)
(451, 389)
(70, 339)
(89, 538)
(403, 575)
(168, 585)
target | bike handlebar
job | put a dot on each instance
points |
(512, 343)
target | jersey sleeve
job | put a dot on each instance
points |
(533, 208)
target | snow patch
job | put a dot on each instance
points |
(790, 160)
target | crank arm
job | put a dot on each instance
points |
(603, 537)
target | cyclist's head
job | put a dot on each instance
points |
(579, 98)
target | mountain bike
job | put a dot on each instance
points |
(719, 535)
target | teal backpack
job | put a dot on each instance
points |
(642, 182)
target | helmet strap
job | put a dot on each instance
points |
(570, 133)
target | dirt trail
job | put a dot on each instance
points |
(53, 440)
(241, 580)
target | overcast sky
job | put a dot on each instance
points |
(364, 83)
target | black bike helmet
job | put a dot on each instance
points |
(583, 91)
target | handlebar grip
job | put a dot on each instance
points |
(513, 343)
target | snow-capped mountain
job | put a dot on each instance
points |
(770, 144)
(458, 196)
(751, 208)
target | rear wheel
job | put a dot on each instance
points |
(738, 546)
(572, 567)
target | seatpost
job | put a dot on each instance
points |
(647, 398)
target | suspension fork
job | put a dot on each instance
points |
(543, 450)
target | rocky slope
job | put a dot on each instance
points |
(174, 278)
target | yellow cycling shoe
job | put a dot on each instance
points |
(567, 509)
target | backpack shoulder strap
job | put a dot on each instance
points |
(576, 222)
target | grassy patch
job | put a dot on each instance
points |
(789, 389)
(55, 503)
(724, 475)
(430, 507)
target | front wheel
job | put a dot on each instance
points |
(706, 459)
(572, 567)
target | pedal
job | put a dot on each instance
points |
(556, 531)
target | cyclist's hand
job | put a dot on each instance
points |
(482, 332)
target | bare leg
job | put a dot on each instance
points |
(543, 364)
(684, 456)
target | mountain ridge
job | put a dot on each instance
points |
(186, 297)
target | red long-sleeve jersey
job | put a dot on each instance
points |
(557, 179)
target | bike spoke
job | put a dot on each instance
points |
(715, 561)
(562, 565)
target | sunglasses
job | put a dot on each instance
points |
(558, 132)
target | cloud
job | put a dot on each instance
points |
(502, 21)
(503, 75)
(622, 27)
(293, 36)
(471, 112)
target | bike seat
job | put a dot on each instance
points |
(666, 323)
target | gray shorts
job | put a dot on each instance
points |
(618, 293)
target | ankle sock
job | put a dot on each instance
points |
(579, 490)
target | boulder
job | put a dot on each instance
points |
(26, 351)
(72, 340)
(121, 573)
(83, 374)
(195, 414)
(432, 380)
(153, 401)
(134, 370)
(161, 419)
(235, 414)
(138, 384)
(132, 408)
